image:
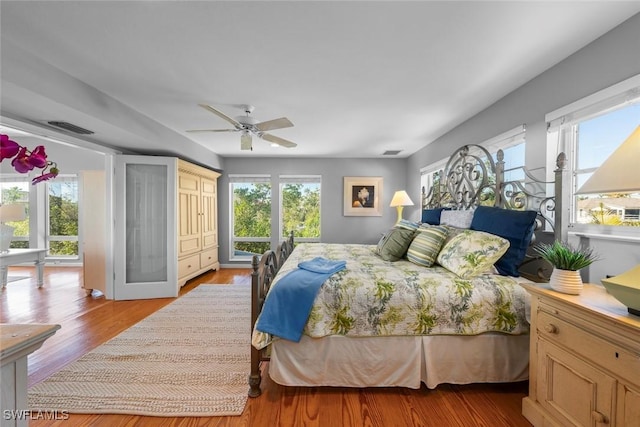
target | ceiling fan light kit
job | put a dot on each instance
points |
(249, 126)
(245, 141)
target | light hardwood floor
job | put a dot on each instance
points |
(89, 321)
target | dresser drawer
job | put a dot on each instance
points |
(578, 339)
(208, 258)
(188, 265)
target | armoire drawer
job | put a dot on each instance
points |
(208, 258)
(188, 265)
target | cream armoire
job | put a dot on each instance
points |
(197, 221)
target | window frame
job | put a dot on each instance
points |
(562, 136)
(298, 179)
(22, 178)
(50, 238)
(249, 179)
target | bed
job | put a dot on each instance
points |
(433, 302)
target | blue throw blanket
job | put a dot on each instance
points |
(289, 302)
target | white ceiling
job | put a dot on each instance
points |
(355, 77)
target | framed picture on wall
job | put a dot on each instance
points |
(362, 196)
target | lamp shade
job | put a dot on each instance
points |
(401, 198)
(12, 212)
(620, 173)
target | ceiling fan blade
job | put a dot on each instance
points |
(221, 115)
(278, 140)
(212, 130)
(280, 123)
(245, 141)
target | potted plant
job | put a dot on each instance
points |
(567, 261)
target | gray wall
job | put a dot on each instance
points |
(334, 227)
(612, 58)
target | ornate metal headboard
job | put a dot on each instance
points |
(471, 177)
(468, 179)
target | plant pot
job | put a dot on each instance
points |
(566, 281)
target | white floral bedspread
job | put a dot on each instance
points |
(372, 297)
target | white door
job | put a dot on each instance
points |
(145, 255)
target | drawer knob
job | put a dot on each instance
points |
(599, 417)
(551, 328)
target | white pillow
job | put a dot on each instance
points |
(458, 219)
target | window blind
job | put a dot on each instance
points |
(241, 178)
(300, 179)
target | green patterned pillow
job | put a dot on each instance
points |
(471, 253)
(425, 247)
(394, 243)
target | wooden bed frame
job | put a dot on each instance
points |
(471, 177)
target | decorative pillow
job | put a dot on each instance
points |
(515, 226)
(409, 225)
(394, 243)
(451, 233)
(426, 245)
(432, 216)
(471, 253)
(458, 219)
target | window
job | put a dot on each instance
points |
(300, 207)
(512, 144)
(62, 218)
(15, 189)
(589, 131)
(250, 215)
(430, 178)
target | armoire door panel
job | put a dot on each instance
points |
(209, 213)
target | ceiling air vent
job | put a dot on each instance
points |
(391, 152)
(71, 127)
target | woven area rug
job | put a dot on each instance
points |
(190, 358)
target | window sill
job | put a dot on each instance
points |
(599, 236)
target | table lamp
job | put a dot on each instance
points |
(8, 213)
(620, 174)
(399, 201)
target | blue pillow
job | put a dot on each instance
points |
(515, 226)
(431, 216)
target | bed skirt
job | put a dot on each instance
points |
(400, 361)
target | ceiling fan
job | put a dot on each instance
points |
(250, 126)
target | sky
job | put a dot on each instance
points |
(600, 136)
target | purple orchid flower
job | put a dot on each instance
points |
(25, 161)
(38, 157)
(21, 161)
(45, 176)
(8, 148)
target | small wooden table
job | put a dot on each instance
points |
(17, 256)
(16, 343)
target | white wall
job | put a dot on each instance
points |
(608, 60)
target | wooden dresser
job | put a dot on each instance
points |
(585, 360)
